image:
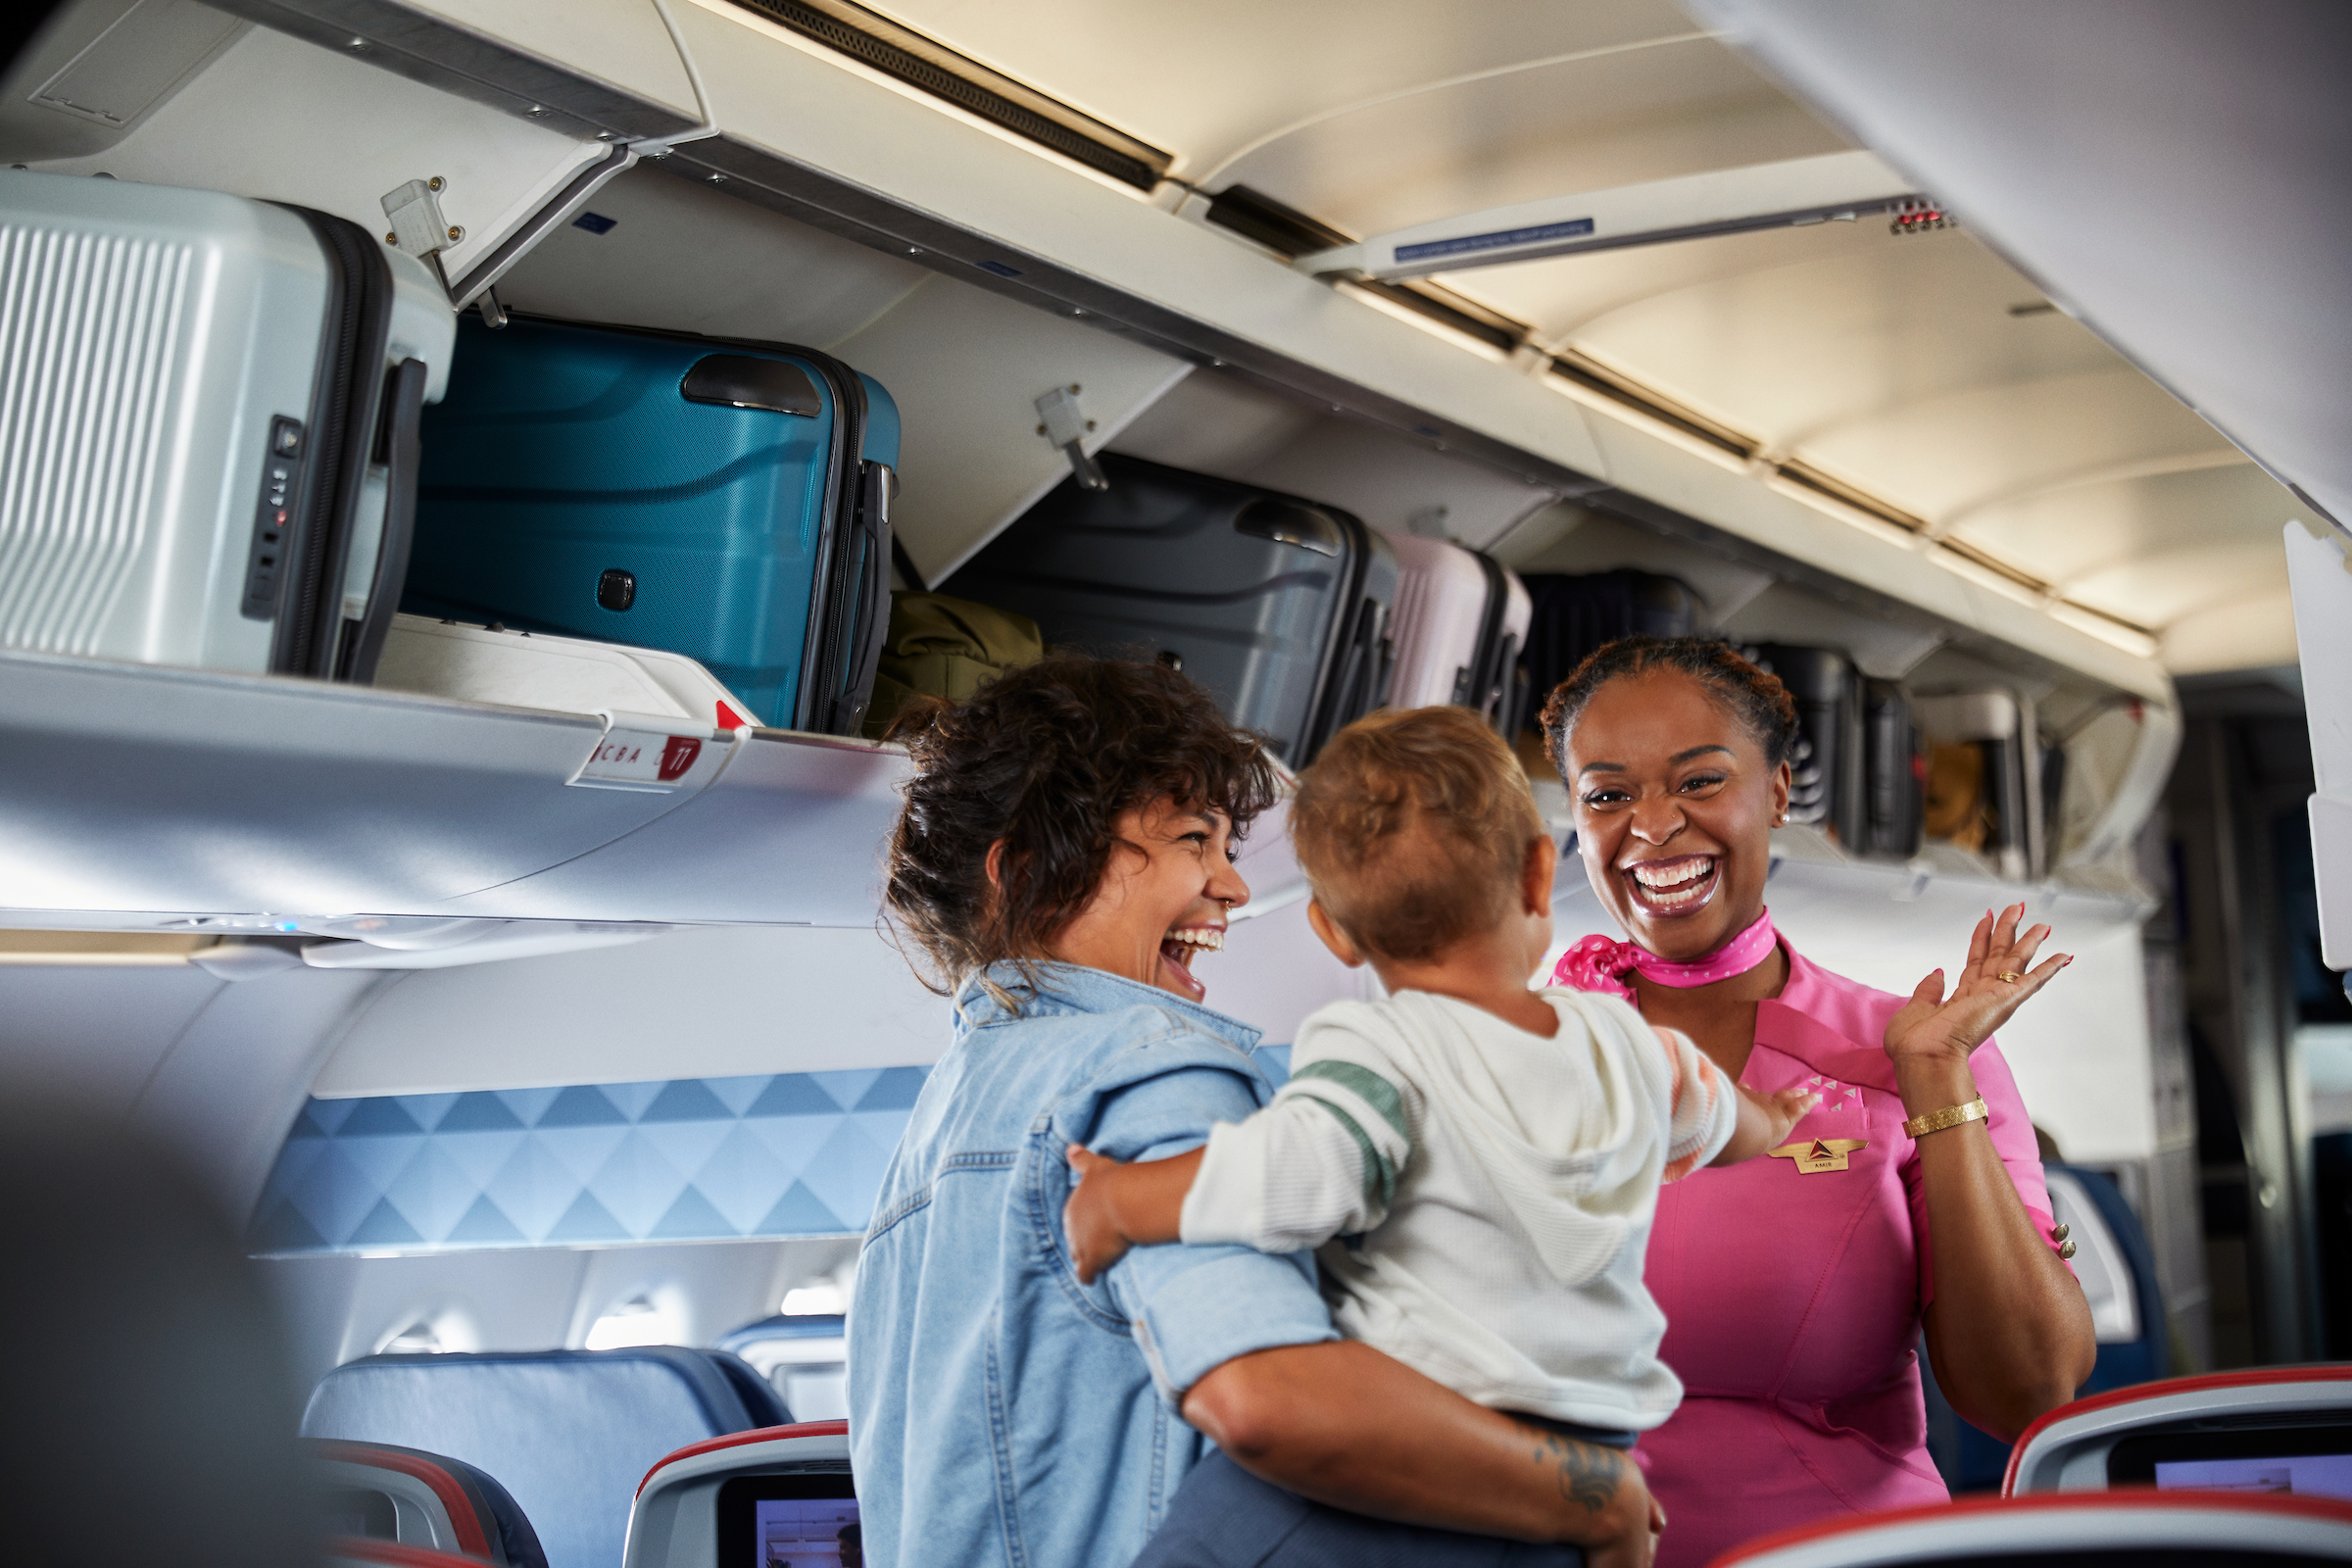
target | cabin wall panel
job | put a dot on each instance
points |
(94, 1032)
(717, 1001)
(237, 1077)
(215, 1070)
(2080, 1049)
(340, 1308)
(1275, 970)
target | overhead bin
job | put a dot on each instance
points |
(973, 274)
(804, 134)
(151, 795)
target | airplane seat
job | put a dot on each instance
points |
(754, 1493)
(2117, 1269)
(2275, 1429)
(378, 1492)
(367, 1552)
(149, 1397)
(761, 1399)
(2094, 1530)
(568, 1432)
(805, 1357)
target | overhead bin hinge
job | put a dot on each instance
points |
(414, 212)
(1065, 425)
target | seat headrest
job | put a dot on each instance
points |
(569, 1433)
(481, 1517)
(365, 1551)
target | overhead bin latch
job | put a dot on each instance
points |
(414, 212)
(1065, 427)
(654, 755)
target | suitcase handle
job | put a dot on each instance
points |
(874, 622)
(404, 420)
(1363, 676)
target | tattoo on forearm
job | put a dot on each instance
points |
(1587, 1473)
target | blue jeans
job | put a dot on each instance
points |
(1225, 1517)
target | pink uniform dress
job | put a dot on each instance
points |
(1792, 1300)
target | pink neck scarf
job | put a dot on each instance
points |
(1598, 963)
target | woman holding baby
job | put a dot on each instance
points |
(1485, 1162)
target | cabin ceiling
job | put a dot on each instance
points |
(1922, 370)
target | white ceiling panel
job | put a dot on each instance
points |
(1796, 346)
(1682, 106)
(1207, 78)
(1967, 448)
(2082, 531)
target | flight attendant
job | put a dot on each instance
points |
(1795, 1288)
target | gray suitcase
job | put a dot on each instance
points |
(208, 426)
(1279, 606)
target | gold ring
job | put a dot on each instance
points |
(2012, 976)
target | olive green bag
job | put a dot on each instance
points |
(941, 647)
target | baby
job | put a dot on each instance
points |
(1484, 1158)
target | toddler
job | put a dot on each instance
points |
(1479, 1162)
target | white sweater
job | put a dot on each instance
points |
(1492, 1191)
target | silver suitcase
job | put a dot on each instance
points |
(208, 426)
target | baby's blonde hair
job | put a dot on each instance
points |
(1413, 825)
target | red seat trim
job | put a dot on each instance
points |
(2250, 1378)
(452, 1492)
(394, 1553)
(736, 1439)
(2329, 1510)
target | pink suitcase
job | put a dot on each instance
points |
(1459, 622)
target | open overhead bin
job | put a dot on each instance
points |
(699, 166)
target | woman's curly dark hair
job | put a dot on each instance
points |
(1045, 757)
(1756, 700)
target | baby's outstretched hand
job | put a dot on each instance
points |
(1784, 1111)
(1995, 982)
(1090, 1220)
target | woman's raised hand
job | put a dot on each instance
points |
(1994, 984)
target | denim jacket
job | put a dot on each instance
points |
(999, 1411)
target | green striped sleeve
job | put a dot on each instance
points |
(1369, 1087)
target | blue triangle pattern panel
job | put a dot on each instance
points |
(797, 1153)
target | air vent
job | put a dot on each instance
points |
(902, 53)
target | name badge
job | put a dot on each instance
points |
(1821, 1153)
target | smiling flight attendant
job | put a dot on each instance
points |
(1795, 1287)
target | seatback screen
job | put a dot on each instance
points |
(2314, 1475)
(800, 1519)
(2312, 1461)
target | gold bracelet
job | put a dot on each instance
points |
(1936, 1121)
